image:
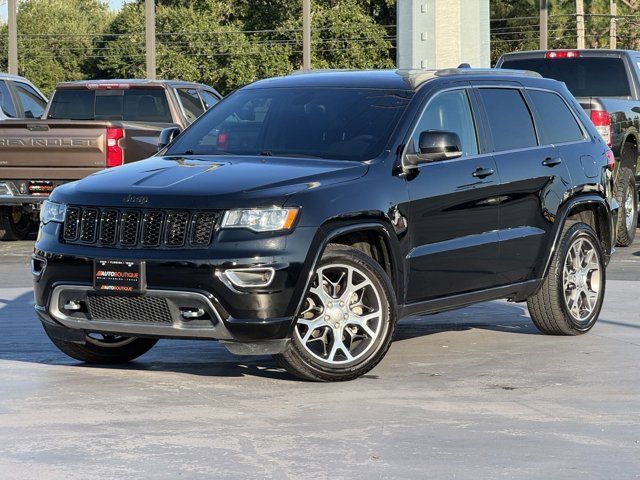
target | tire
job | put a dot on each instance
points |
(15, 223)
(331, 309)
(551, 307)
(109, 350)
(626, 194)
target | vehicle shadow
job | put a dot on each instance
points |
(22, 339)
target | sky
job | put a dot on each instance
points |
(114, 4)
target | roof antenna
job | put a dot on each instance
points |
(464, 65)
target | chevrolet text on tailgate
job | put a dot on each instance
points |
(304, 215)
(86, 127)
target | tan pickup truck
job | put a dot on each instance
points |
(87, 126)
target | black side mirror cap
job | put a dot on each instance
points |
(436, 145)
(167, 135)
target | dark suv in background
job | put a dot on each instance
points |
(606, 83)
(304, 215)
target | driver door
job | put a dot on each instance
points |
(454, 211)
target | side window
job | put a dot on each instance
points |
(32, 104)
(208, 98)
(509, 118)
(557, 123)
(191, 103)
(451, 112)
(6, 103)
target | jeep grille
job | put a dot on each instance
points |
(138, 228)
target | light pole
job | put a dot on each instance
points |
(150, 37)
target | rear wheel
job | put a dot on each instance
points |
(15, 223)
(570, 298)
(104, 348)
(347, 320)
(627, 196)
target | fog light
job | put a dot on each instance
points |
(250, 277)
(73, 305)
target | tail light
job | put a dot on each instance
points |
(602, 121)
(115, 155)
(611, 159)
(562, 54)
(223, 140)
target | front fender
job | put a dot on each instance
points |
(335, 228)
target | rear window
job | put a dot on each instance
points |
(135, 105)
(584, 76)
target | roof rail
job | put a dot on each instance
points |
(486, 71)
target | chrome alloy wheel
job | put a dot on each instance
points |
(582, 280)
(629, 209)
(108, 340)
(342, 316)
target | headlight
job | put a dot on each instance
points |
(261, 219)
(52, 212)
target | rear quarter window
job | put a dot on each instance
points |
(557, 124)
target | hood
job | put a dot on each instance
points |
(218, 182)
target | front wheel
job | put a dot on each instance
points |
(347, 320)
(571, 295)
(104, 348)
(15, 223)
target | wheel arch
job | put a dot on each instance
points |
(352, 234)
(632, 136)
(590, 209)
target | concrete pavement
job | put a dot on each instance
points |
(470, 394)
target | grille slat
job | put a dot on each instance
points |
(143, 309)
(177, 223)
(139, 228)
(72, 221)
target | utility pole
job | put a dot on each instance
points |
(613, 24)
(544, 25)
(580, 23)
(13, 37)
(306, 34)
(150, 37)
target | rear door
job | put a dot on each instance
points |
(454, 216)
(533, 180)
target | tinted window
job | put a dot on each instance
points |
(32, 103)
(208, 98)
(509, 118)
(136, 104)
(334, 123)
(557, 123)
(6, 103)
(584, 76)
(451, 112)
(191, 103)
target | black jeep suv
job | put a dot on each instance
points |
(303, 216)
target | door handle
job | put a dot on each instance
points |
(551, 161)
(483, 172)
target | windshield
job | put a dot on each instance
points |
(584, 77)
(331, 123)
(135, 105)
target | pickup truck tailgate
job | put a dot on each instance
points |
(51, 149)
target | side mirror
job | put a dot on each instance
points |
(435, 145)
(167, 135)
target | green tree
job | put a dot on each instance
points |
(56, 39)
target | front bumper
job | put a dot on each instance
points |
(187, 280)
